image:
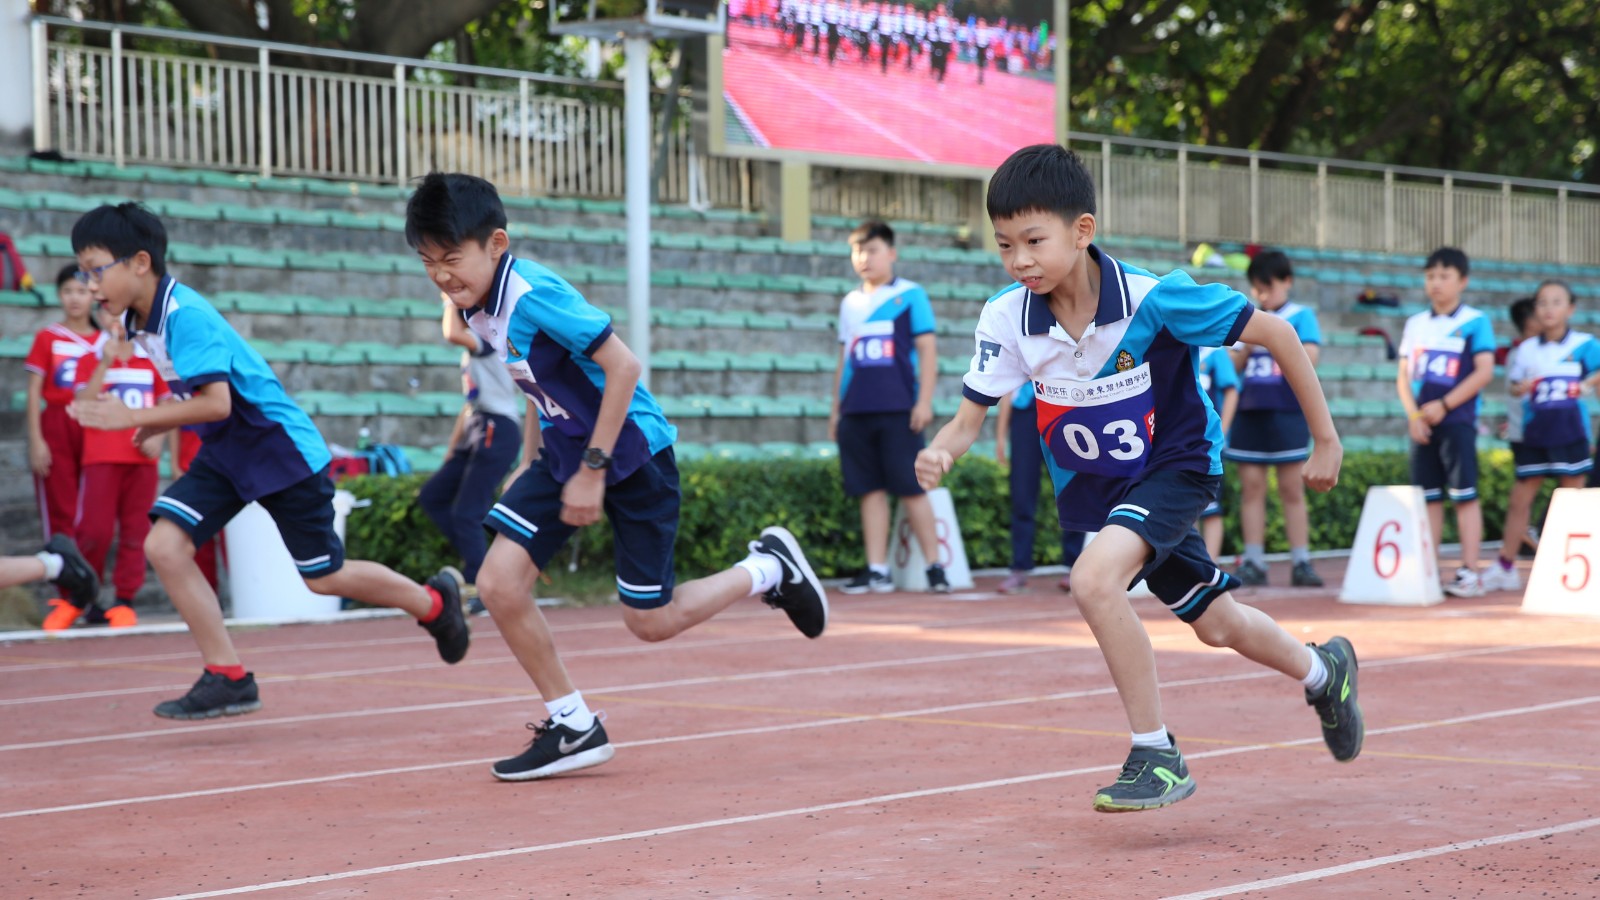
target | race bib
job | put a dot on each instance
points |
(1100, 427)
(873, 345)
(1262, 370)
(136, 388)
(67, 355)
(1559, 389)
(1439, 361)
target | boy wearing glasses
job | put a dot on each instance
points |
(256, 445)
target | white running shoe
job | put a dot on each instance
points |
(1499, 578)
(1467, 584)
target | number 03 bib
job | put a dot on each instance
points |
(1100, 427)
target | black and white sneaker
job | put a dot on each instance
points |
(556, 748)
(449, 628)
(77, 579)
(798, 593)
(869, 580)
(937, 583)
(212, 696)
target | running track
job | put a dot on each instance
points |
(924, 747)
(799, 102)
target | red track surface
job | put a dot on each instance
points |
(924, 748)
(798, 102)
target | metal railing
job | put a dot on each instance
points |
(267, 117)
(528, 136)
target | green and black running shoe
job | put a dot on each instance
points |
(1342, 727)
(1150, 779)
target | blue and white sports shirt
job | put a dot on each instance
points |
(879, 332)
(266, 443)
(1441, 350)
(1217, 374)
(545, 332)
(1264, 385)
(1126, 395)
(1554, 412)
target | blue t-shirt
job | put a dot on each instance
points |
(1554, 412)
(545, 332)
(1217, 374)
(1264, 387)
(1441, 351)
(266, 443)
(879, 332)
(1122, 398)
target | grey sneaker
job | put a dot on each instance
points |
(1342, 726)
(1150, 779)
(937, 583)
(1250, 574)
(1304, 576)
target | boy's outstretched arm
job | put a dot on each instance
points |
(1280, 339)
(954, 439)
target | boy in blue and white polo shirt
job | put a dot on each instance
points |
(606, 446)
(1133, 446)
(256, 446)
(1220, 380)
(1549, 373)
(882, 399)
(1270, 429)
(1446, 360)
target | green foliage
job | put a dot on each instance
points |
(727, 502)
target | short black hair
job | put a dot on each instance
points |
(1556, 282)
(69, 272)
(872, 228)
(1269, 266)
(1041, 178)
(450, 208)
(1450, 257)
(1521, 312)
(123, 230)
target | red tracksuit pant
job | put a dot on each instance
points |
(116, 497)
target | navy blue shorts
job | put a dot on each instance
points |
(1552, 462)
(878, 452)
(1448, 461)
(642, 509)
(1162, 508)
(204, 500)
(1214, 508)
(1268, 437)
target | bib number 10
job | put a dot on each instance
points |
(1083, 442)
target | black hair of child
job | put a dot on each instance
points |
(1449, 257)
(123, 231)
(1041, 178)
(872, 228)
(1269, 266)
(450, 208)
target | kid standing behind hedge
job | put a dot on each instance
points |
(606, 446)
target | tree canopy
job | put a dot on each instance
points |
(1502, 86)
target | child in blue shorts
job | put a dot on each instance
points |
(1270, 429)
(1220, 382)
(256, 445)
(606, 447)
(1446, 360)
(1133, 448)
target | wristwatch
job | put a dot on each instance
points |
(595, 458)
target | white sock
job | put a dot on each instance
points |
(1155, 740)
(879, 568)
(1317, 678)
(52, 564)
(571, 711)
(765, 572)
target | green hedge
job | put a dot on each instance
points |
(727, 502)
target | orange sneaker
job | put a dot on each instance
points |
(122, 616)
(62, 615)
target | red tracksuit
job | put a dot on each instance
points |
(118, 483)
(54, 357)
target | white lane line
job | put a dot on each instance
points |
(1359, 865)
(525, 697)
(885, 799)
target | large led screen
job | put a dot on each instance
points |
(941, 83)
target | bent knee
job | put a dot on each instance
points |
(1219, 630)
(167, 544)
(650, 626)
